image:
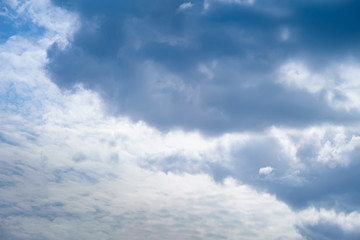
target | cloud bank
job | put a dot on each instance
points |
(216, 71)
(184, 120)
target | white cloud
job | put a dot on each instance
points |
(98, 198)
(60, 25)
(207, 3)
(288, 147)
(123, 194)
(296, 74)
(330, 144)
(185, 6)
(336, 149)
(240, 1)
(107, 195)
(339, 81)
(237, 1)
(347, 222)
(265, 170)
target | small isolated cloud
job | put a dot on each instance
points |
(235, 1)
(185, 6)
(285, 34)
(241, 2)
(265, 171)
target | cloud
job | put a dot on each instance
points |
(97, 197)
(337, 82)
(185, 6)
(325, 224)
(61, 179)
(208, 3)
(160, 125)
(133, 57)
(347, 222)
(265, 170)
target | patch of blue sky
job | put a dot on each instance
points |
(24, 29)
(11, 24)
(7, 29)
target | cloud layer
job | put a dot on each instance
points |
(213, 69)
(186, 120)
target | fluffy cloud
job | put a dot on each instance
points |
(314, 224)
(337, 82)
(70, 171)
(265, 170)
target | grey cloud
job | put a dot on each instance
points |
(144, 59)
(317, 185)
(302, 184)
(117, 40)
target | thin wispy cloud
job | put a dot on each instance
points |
(185, 6)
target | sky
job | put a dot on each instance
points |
(172, 119)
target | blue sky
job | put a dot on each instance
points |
(204, 119)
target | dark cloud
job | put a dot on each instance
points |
(323, 187)
(118, 40)
(318, 184)
(314, 183)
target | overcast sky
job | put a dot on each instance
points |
(171, 119)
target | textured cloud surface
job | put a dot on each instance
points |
(215, 119)
(213, 69)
